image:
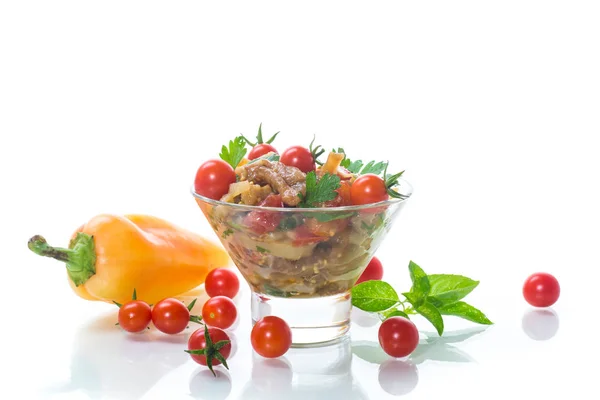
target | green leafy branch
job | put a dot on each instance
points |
(431, 296)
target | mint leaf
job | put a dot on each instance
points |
(427, 310)
(374, 296)
(319, 191)
(421, 286)
(450, 288)
(235, 152)
(465, 311)
(414, 299)
(393, 312)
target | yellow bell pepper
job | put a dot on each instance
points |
(111, 255)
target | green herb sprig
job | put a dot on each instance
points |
(319, 190)
(431, 296)
(358, 167)
(235, 152)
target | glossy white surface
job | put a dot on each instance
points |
(491, 108)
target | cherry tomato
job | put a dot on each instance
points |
(299, 157)
(398, 336)
(271, 337)
(197, 341)
(213, 179)
(374, 271)
(135, 316)
(260, 150)
(368, 189)
(222, 282)
(219, 311)
(265, 221)
(541, 289)
(170, 316)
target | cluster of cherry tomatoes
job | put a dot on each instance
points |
(271, 337)
(169, 316)
(172, 316)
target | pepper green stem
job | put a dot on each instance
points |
(80, 257)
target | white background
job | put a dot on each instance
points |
(492, 108)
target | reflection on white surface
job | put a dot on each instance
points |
(432, 347)
(313, 373)
(363, 318)
(220, 386)
(398, 377)
(438, 348)
(540, 324)
(107, 362)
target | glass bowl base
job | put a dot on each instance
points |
(318, 321)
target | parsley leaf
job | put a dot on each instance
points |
(235, 153)
(319, 191)
(360, 168)
(373, 168)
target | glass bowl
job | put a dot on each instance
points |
(304, 270)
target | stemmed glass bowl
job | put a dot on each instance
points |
(304, 271)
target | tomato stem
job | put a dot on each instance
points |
(80, 257)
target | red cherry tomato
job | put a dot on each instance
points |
(219, 311)
(541, 289)
(299, 157)
(197, 341)
(222, 282)
(170, 316)
(398, 336)
(213, 179)
(135, 316)
(271, 337)
(368, 189)
(260, 150)
(265, 221)
(373, 272)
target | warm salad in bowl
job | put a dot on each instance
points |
(294, 225)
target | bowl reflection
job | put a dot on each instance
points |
(309, 373)
(540, 324)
